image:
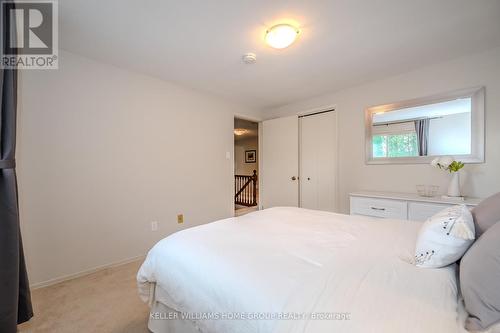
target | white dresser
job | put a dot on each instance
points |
(404, 206)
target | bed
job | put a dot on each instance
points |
(296, 270)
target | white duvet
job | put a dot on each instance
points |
(300, 265)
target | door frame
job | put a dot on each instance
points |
(259, 158)
(310, 112)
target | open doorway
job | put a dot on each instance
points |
(246, 166)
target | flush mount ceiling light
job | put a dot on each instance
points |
(240, 131)
(281, 36)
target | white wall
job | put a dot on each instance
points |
(481, 180)
(240, 166)
(102, 152)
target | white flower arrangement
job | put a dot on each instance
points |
(447, 163)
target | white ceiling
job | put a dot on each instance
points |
(199, 44)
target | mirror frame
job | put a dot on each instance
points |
(477, 123)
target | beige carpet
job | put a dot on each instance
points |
(105, 301)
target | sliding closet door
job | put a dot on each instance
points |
(318, 161)
(280, 161)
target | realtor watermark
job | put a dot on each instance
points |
(250, 316)
(29, 37)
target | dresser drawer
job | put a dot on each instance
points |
(384, 208)
(421, 211)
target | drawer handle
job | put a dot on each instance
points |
(376, 208)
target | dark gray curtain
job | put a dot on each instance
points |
(15, 301)
(422, 129)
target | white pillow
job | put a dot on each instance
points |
(445, 237)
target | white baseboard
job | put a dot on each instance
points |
(51, 282)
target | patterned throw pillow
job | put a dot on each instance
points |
(445, 237)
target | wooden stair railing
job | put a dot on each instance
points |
(245, 189)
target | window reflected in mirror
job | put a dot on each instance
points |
(428, 130)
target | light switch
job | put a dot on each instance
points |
(154, 225)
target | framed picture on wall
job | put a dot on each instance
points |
(250, 156)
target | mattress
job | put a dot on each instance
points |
(296, 270)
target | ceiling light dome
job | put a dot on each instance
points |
(281, 36)
(240, 131)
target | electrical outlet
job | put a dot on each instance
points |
(154, 225)
(180, 218)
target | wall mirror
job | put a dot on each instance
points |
(416, 131)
